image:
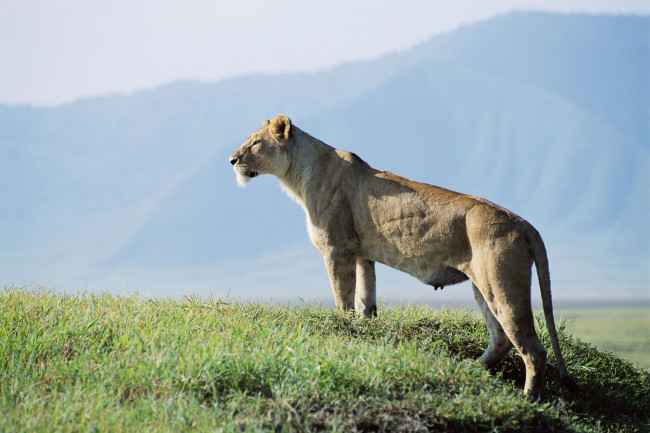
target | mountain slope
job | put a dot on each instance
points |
(544, 114)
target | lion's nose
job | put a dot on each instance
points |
(233, 161)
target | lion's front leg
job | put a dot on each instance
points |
(365, 298)
(342, 272)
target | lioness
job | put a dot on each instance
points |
(357, 215)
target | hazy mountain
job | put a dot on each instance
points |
(544, 114)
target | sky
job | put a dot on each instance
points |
(56, 51)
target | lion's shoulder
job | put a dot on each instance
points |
(351, 158)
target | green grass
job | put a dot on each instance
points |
(104, 363)
(622, 330)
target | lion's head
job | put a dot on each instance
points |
(265, 151)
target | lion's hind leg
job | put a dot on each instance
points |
(500, 344)
(530, 348)
(514, 313)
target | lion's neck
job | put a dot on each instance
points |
(292, 195)
(305, 152)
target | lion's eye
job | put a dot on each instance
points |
(255, 143)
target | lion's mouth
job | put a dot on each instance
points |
(250, 173)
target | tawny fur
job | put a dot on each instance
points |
(357, 215)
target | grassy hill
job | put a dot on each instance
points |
(104, 363)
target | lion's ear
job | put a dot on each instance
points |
(280, 128)
(266, 122)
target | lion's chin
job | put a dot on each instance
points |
(244, 178)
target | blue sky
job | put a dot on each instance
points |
(55, 51)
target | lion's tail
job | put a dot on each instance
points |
(541, 264)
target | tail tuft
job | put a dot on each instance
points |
(571, 384)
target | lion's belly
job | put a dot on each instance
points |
(425, 268)
(434, 261)
(416, 240)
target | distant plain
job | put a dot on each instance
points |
(624, 330)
